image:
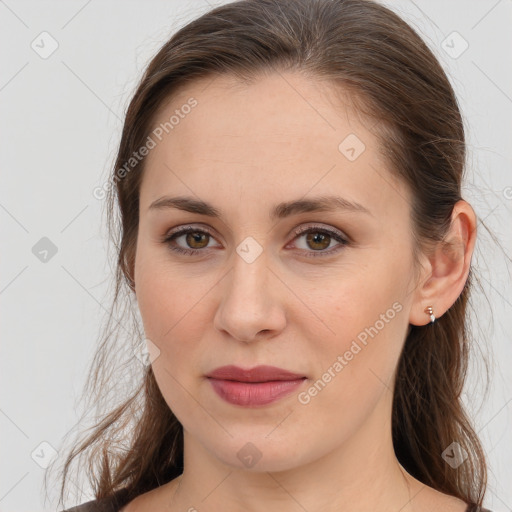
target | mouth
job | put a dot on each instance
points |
(256, 374)
(254, 387)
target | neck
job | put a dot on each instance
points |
(361, 474)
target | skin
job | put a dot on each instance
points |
(245, 148)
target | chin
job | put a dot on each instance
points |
(257, 454)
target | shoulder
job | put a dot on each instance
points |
(476, 508)
(90, 506)
(112, 504)
(124, 501)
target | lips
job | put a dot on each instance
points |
(256, 374)
(257, 386)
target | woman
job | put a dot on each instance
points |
(293, 231)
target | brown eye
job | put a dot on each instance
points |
(196, 239)
(318, 241)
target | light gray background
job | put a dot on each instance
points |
(60, 123)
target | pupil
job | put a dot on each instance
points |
(196, 237)
(317, 238)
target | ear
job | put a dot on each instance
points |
(446, 269)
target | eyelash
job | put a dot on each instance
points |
(298, 232)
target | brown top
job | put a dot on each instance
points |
(121, 499)
(113, 504)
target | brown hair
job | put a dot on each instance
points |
(363, 48)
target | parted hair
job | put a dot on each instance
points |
(369, 52)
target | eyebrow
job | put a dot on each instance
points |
(280, 211)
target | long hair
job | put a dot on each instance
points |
(366, 49)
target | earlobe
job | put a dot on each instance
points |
(449, 268)
(430, 311)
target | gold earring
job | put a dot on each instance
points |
(430, 312)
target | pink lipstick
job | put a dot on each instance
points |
(257, 386)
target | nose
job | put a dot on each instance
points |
(249, 307)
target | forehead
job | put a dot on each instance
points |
(282, 132)
(282, 110)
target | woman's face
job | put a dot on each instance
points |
(331, 305)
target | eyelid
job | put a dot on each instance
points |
(333, 232)
(337, 235)
(174, 233)
(296, 231)
(186, 228)
(306, 227)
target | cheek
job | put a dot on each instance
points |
(155, 303)
(168, 314)
(174, 311)
(354, 371)
(170, 319)
(363, 322)
(162, 296)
